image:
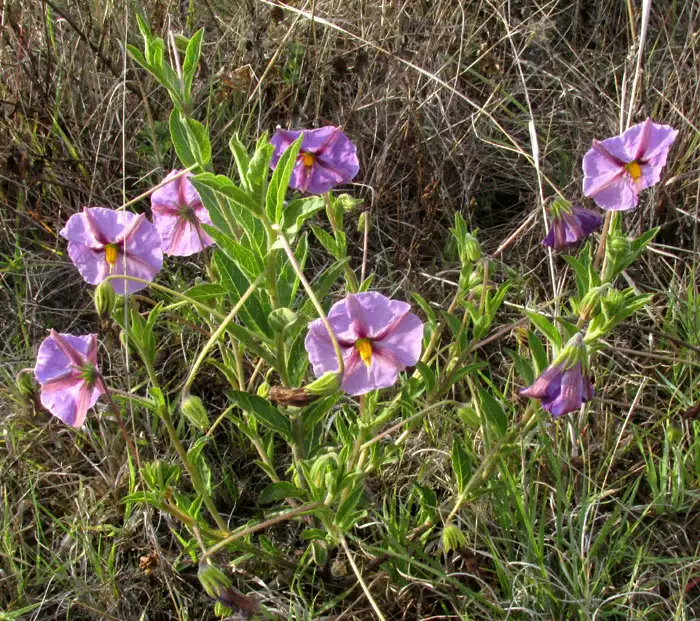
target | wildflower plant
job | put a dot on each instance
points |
(383, 363)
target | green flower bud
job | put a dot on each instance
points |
(472, 248)
(363, 221)
(193, 408)
(347, 203)
(453, 538)
(282, 319)
(105, 297)
(618, 244)
(25, 383)
(217, 585)
(590, 302)
(325, 385)
(264, 390)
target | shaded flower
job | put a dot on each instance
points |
(104, 242)
(326, 158)
(565, 384)
(570, 224)
(66, 369)
(378, 338)
(178, 214)
(617, 169)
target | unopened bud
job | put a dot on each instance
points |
(25, 382)
(217, 585)
(263, 390)
(325, 385)
(105, 297)
(618, 244)
(193, 408)
(452, 538)
(347, 203)
(282, 319)
(363, 221)
(472, 248)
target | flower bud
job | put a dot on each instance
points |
(347, 203)
(105, 297)
(452, 538)
(264, 390)
(193, 408)
(217, 585)
(282, 319)
(325, 385)
(25, 383)
(472, 248)
(363, 221)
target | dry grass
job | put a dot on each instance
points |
(438, 96)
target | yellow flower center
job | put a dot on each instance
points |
(308, 159)
(111, 255)
(635, 170)
(364, 348)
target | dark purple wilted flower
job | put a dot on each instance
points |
(616, 170)
(66, 369)
(326, 158)
(178, 214)
(104, 242)
(378, 338)
(565, 384)
(570, 224)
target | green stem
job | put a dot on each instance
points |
(312, 297)
(191, 469)
(217, 335)
(350, 277)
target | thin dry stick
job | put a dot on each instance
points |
(646, 10)
(360, 579)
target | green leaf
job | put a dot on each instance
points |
(254, 312)
(280, 490)
(259, 169)
(223, 185)
(326, 240)
(288, 284)
(189, 66)
(277, 190)
(494, 412)
(461, 465)
(427, 374)
(425, 307)
(325, 282)
(348, 505)
(205, 291)
(539, 354)
(263, 411)
(246, 260)
(242, 159)
(546, 327)
(315, 412)
(297, 212)
(190, 139)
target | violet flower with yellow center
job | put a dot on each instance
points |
(378, 338)
(617, 169)
(327, 158)
(104, 242)
(66, 369)
(178, 214)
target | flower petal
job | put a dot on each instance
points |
(320, 349)
(589, 220)
(570, 398)
(374, 314)
(616, 193)
(71, 404)
(360, 379)
(404, 341)
(92, 264)
(93, 227)
(547, 385)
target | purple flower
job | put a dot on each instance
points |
(177, 214)
(326, 158)
(565, 384)
(102, 242)
(378, 337)
(570, 224)
(66, 369)
(618, 169)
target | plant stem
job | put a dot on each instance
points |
(358, 575)
(312, 297)
(117, 414)
(350, 277)
(262, 526)
(191, 469)
(217, 335)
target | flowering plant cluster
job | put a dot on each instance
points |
(374, 356)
